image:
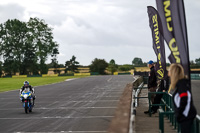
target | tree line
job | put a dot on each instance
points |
(97, 65)
(25, 46)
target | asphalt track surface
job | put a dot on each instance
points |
(196, 94)
(85, 105)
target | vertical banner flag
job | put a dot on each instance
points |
(158, 41)
(172, 16)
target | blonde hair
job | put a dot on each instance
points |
(176, 72)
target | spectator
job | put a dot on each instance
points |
(152, 81)
(185, 111)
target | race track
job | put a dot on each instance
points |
(85, 105)
(196, 94)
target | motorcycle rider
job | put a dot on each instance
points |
(26, 85)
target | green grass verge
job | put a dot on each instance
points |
(8, 84)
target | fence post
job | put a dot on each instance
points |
(149, 97)
(178, 131)
(173, 120)
(197, 126)
(161, 122)
(175, 124)
(194, 128)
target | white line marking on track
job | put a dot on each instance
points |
(70, 79)
(39, 102)
(68, 132)
(57, 117)
(97, 101)
(65, 108)
(109, 79)
(85, 131)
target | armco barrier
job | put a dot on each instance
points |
(136, 94)
(137, 86)
(66, 74)
(121, 73)
(124, 73)
(52, 75)
(19, 76)
(34, 75)
(115, 73)
(7, 76)
(195, 76)
(94, 73)
(82, 74)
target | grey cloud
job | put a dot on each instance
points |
(108, 27)
(11, 11)
(118, 28)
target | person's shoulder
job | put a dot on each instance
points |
(184, 84)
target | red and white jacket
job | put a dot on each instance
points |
(183, 102)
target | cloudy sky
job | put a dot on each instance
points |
(105, 29)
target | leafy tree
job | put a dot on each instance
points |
(41, 37)
(12, 38)
(137, 61)
(29, 62)
(8, 66)
(192, 62)
(98, 65)
(26, 46)
(56, 66)
(54, 61)
(195, 64)
(61, 66)
(197, 61)
(72, 64)
(1, 68)
(112, 67)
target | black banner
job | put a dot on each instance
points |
(172, 16)
(158, 41)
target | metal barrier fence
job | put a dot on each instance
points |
(167, 111)
(136, 93)
(136, 89)
(162, 104)
(195, 76)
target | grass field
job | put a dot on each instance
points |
(7, 84)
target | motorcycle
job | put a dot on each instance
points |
(27, 100)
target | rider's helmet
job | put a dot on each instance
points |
(26, 83)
